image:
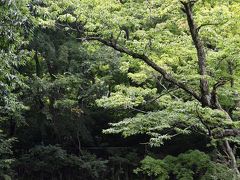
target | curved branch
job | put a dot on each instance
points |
(148, 61)
(214, 98)
(209, 24)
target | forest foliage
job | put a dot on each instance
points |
(119, 89)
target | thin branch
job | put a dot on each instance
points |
(160, 83)
(209, 24)
(214, 98)
(167, 92)
(202, 121)
(174, 135)
(220, 83)
(119, 34)
(138, 110)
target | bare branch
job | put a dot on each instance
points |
(209, 24)
(138, 110)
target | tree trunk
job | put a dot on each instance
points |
(232, 156)
(207, 99)
(204, 87)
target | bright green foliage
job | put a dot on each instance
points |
(127, 97)
(174, 119)
(186, 166)
(150, 103)
(14, 15)
(63, 89)
(159, 29)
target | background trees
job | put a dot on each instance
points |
(164, 74)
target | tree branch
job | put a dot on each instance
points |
(209, 24)
(226, 133)
(148, 61)
(205, 95)
(214, 98)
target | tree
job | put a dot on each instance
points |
(160, 34)
(165, 73)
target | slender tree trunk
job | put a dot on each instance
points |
(38, 97)
(37, 64)
(79, 144)
(207, 99)
(204, 87)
